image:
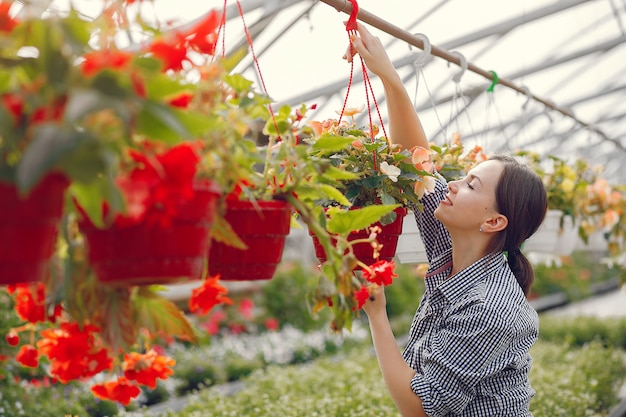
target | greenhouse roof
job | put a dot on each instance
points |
(561, 66)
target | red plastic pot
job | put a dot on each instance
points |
(28, 229)
(363, 251)
(263, 226)
(145, 254)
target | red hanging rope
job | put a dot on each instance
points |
(222, 28)
(351, 28)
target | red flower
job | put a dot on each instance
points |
(158, 184)
(271, 324)
(146, 368)
(28, 356)
(15, 104)
(380, 272)
(7, 23)
(361, 297)
(246, 308)
(207, 296)
(203, 36)
(182, 100)
(53, 112)
(73, 352)
(171, 51)
(97, 61)
(12, 338)
(30, 300)
(121, 391)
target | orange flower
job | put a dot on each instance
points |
(146, 368)
(421, 159)
(121, 391)
(28, 356)
(207, 296)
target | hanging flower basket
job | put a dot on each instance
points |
(263, 226)
(28, 229)
(410, 249)
(154, 253)
(388, 237)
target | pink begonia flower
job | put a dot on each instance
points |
(421, 159)
(391, 171)
(427, 185)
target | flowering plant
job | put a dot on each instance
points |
(452, 160)
(374, 171)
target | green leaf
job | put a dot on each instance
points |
(334, 194)
(328, 144)
(222, 231)
(344, 222)
(159, 121)
(91, 196)
(340, 174)
(238, 82)
(83, 102)
(119, 328)
(159, 315)
(50, 143)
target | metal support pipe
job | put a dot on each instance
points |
(346, 7)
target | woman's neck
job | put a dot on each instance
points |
(466, 250)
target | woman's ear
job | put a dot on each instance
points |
(495, 224)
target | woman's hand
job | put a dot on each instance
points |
(377, 303)
(372, 51)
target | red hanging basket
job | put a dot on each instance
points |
(263, 226)
(145, 254)
(28, 229)
(363, 251)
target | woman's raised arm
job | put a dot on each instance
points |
(405, 127)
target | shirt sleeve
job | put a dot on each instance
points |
(471, 346)
(434, 235)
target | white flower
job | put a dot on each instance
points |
(389, 170)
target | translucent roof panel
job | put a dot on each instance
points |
(570, 54)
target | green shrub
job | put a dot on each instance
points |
(404, 295)
(572, 275)
(581, 330)
(284, 297)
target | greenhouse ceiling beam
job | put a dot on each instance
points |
(399, 33)
(332, 88)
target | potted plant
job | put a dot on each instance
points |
(376, 173)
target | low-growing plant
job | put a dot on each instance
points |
(578, 331)
(572, 382)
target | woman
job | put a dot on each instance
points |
(468, 346)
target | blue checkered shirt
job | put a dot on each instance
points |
(471, 334)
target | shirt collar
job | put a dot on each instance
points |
(463, 282)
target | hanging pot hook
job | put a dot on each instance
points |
(462, 63)
(424, 56)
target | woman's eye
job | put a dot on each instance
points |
(470, 186)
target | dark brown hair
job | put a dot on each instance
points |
(521, 197)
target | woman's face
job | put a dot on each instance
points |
(471, 200)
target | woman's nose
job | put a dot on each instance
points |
(453, 186)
